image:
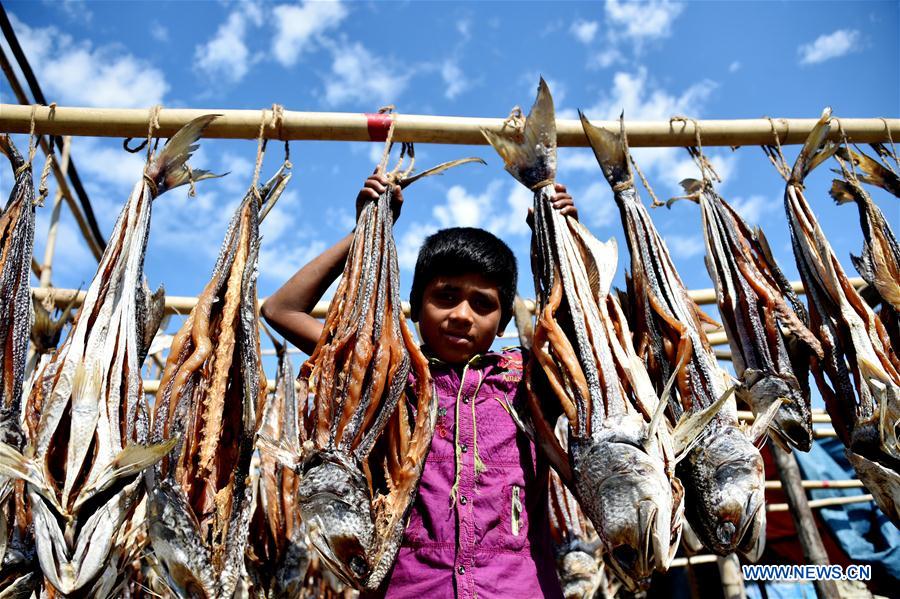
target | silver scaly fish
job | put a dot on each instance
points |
(86, 419)
(723, 472)
(210, 397)
(619, 463)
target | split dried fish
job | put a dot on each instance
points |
(210, 396)
(879, 264)
(86, 419)
(16, 244)
(765, 322)
(873, 172)
(619, 466)
(277, 553)
(723, 472)
(363, 448)
(863, 399)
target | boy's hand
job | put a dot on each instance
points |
(562, 201)
(374, 186)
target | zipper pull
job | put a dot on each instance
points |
(516, 510)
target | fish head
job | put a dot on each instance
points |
(335, 505)
(627, 495)
(792, 424)
(578, 573)
(725, 487)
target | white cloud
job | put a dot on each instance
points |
(464, 28)
(606, 58)
(576, 159)
(159, 32)
(584, 31)
(734, 67)
(117, 78)
(752, 208)
(832, 45)
(685, 246)
(596, 206)
(226, 55)
(640, 21)
(455, 80)
(358, 76)
(297, 27)
(280, 264)
(109, 164)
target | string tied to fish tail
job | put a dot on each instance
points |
(542, 183)
(388, 139)
(45, 173)
(893, 152)
(774, 154)
(32, 144)
(846, 141)
(707, 170)
(152, 128)
(654, 200)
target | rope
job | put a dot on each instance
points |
(846, 143)
(893, 152)
(702, 162)
(655, 200)
(152, 127)
(42, 186)
(260, 152)
(776, 157)
(32, 141)
(388, 140)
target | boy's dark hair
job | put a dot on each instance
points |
(464, 250)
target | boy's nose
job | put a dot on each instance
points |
(462, 312)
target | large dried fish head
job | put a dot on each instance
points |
(881, 482)
(792, 424)
(627, 495)
(334, 500)
(529, 153)
(725, 492)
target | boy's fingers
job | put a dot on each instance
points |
(560, 188)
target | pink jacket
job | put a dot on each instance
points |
(479, 524)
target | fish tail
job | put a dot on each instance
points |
(9, 150)
(610, 149)
(86, 383)
(170, 169)
(529, 153)
(815, 150)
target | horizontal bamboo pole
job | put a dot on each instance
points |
(347, 126)
(820, 484)
(818, 416)
(680, 562)
(820, 503)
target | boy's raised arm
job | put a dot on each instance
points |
(288, 310)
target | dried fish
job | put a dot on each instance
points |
(873, 172)
(619, 466)
(863, 399)
(363, 448)
(750, 293)
(879, 264)
(723, 472)
(86, 419)
(277, 553)
(16, 244)
(209, 400)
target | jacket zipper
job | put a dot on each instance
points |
(516, 510)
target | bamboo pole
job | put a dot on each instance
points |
(820, 503)
(820, 484)
(807, 532)
(732, 577)
(345, 126)
(53, 229)
(818, 416)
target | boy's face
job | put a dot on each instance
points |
(460, 316)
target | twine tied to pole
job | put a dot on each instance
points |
(775, 155)
(654, 203)
(32, 144)
(152, 127)
(276, 123)
(388, 140)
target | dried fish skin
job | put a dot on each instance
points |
(750, 294)
(209, 403)
(277, 555)
(363, 449)
(863, 397)
(669, 337)
(872, 172)
(618, 466)
(86, 419)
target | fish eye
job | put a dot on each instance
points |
(358, 565)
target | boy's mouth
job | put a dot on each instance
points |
(457, 339)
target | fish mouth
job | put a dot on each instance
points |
(789, 430)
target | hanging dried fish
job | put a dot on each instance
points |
(277, 553)
(863, 399)
(16, 244)
(209, 399)
(620, 467)
(86, 418)
(873, 172)
(723, 472)
(762, 327)
(363, 448)
(879, 264)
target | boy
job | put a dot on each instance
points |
(479, 523)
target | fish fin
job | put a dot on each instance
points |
(757, 432)
(272, 190)
(529, 155)
(169, 169)
(841, 192)
(132, 460)
(691, 425)
(663, 402)
(437, 170)
(287, 456)
(610, 149)
(602, 266)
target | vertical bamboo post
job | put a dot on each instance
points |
(807, 532)
(732, 577)
(50, 248)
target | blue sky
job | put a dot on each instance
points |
(652, 60)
